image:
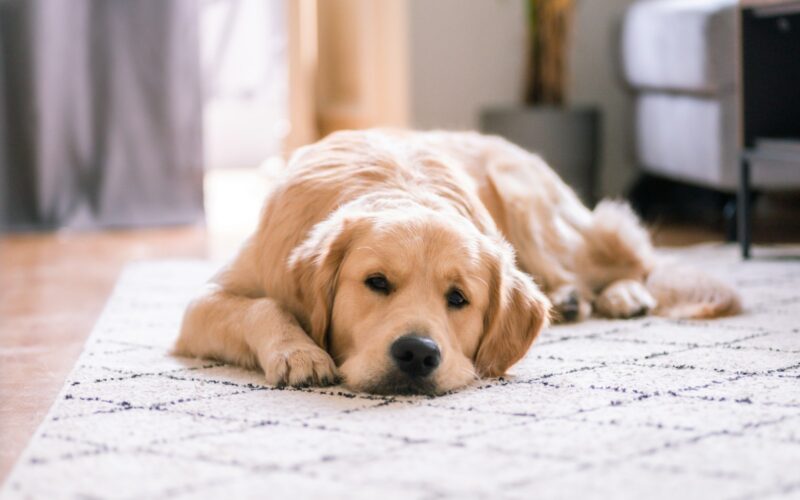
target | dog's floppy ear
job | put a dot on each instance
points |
(314, 265)
(517, 312)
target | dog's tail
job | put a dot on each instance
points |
(683, 292)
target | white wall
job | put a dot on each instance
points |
(596, 80)
(468, 54)
(464, 54)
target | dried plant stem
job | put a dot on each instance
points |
(550, 26)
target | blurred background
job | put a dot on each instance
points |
(134, 129)
(122, 114)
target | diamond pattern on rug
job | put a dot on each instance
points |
(643, 408)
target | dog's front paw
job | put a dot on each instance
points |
(625, 299)
(298, 366)
(568, 305)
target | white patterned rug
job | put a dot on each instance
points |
(646, 408)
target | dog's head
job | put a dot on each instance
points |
(408, 300)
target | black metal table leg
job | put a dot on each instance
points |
(744, 207)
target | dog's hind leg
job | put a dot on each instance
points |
(569, 304)
(618, 263)
(624, 299)
(615, 247)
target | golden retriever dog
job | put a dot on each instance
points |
(413, 262)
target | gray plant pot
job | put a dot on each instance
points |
(567, 138)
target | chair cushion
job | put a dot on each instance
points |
(685, 45)
(688, 137)
(694, 139)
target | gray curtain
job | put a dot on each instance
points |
(100, 113)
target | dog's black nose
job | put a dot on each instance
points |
(416, 356)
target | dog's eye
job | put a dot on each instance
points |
(456, 299)
(378, 283)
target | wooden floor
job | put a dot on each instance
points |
(53, 286)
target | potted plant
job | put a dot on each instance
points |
(566, 137)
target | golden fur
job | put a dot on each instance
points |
(430, 212)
